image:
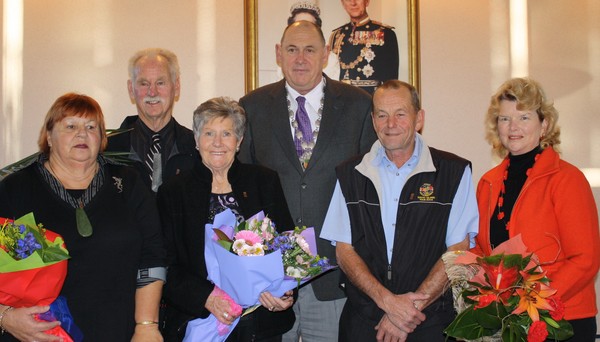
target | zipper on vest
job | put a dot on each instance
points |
(389, 272)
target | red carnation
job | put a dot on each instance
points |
(558, 309)
(537, 332)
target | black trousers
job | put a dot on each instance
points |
(584, 330)
(354, 328)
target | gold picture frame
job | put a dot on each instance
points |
(251, 33)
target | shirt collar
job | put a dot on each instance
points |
(381, 158)
(313, 97)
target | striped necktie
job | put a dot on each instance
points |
(153, 162)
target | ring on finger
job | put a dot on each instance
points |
(225, 314)
(271, 308)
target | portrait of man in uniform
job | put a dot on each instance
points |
(390, 29)
(367, 50)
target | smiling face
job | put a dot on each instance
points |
(218, 144)
(75, 139)
(154, 91)
(302, 55)
(396, 122)
(519, 130)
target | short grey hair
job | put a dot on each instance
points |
(171, 58)
(220, 107)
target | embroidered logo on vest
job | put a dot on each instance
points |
(426, 192)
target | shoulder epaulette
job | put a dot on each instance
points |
(382, 24)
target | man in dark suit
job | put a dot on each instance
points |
(302, 127)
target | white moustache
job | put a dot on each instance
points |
(152, 99)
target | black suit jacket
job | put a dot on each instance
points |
(346, 130)
(183, 203)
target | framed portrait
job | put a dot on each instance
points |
(265, 21)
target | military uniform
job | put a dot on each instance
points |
(367, 53)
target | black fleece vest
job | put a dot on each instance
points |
(420, 235)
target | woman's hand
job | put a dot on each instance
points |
(22, 325)
(147, 333)
(277, 304)
(222, 306)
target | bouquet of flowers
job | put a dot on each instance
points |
(504, 297)
(33, 267)
(250, 258)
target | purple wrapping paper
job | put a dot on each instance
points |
(243, 278)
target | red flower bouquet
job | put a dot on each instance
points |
(33, 265)
(504, 296)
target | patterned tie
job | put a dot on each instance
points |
(303, 125)
(153, 162)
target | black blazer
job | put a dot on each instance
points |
(346, 130)
(183, 203)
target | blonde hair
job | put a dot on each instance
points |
(528, 95)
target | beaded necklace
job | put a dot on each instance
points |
(501, 214)
(307, 147)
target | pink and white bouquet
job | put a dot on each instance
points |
(250, 258)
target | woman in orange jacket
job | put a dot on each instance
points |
(545, 199)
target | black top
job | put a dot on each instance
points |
(101, 278)
(184, 204)
(180, 157)
(517, 175)
(141, 139)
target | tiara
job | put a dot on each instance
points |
(305, 5)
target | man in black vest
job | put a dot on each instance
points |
(394, 212)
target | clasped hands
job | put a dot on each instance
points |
(227, 311)
(402, 316)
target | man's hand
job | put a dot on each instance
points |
(388, 332)
(402, 311)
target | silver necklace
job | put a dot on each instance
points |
(307, 147)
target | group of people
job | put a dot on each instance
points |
(308, 151)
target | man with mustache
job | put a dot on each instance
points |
(159, 146)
